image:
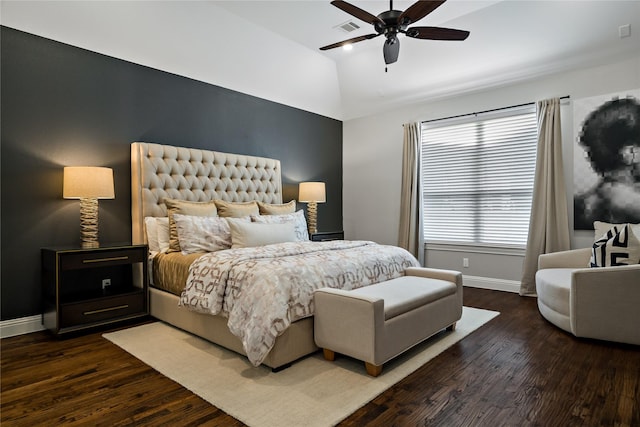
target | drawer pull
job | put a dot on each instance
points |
(103, 310)
(115, 258)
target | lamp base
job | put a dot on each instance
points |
(312, 210)
(89, 223)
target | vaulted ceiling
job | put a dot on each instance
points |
(510, 40)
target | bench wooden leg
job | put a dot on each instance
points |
(373, 370)
(452, 327)
(329, 355)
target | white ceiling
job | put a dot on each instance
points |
(510, 41)
(270, 49)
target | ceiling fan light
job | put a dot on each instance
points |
(391, 50)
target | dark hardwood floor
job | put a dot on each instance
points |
(517, 370)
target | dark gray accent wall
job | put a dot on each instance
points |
(64, 106)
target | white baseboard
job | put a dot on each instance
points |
(490, 283)
(20, 326)
(26, 325)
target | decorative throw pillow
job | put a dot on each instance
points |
(184, 207)
(236, 209)
(619, 246)
(250, 234)
(602, 227)
(296, 218)
(203, 233)
(277, 209)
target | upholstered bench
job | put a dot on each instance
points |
(377, 323)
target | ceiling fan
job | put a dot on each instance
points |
(391, 22)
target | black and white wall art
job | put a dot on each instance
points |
(606, 159)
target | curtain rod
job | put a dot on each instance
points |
(487, 111)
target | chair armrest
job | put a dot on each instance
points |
(575, 258)
(604, 303)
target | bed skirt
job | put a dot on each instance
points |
(296, 342)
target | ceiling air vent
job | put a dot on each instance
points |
(347, 27)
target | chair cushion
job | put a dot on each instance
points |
(553, 287)
(407, 293)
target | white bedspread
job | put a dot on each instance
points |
(263, 290)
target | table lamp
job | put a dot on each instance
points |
(312, 193)
(88, 184)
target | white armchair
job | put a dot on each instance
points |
(601, 303)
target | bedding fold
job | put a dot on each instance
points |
(171, 271)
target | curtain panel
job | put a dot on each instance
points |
(410, 233)
(549, 222)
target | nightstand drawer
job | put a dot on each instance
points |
(70, 261)
(326, 236)
(98, 310)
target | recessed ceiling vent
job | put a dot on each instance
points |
(347, 27)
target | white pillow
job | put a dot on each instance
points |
(250, 234)
(152, 234)
(296, 218)
(619, 246)
(203, 233)
(162, 226)
(157, 233)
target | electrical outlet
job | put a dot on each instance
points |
(624, 31)
(105, 283)
(465, 262)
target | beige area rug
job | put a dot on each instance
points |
(312, 392)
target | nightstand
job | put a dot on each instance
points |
(83, 288)
(327, 235)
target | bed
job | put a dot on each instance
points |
(163, 174)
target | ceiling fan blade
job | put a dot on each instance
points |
(349, 41)
(391, 50)
(418, 10)
(436, 33)
(357, 12)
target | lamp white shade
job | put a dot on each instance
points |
(312, 192)
(89, 182)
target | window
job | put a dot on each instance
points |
(477, 176)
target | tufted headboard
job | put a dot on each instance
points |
(160, 171)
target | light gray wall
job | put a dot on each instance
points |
(373, 158)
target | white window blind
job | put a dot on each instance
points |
(477, 178)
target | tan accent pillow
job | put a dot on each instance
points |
(276, 209)
(251, 234)
(236, 209)
(185, 207)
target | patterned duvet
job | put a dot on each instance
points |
(263, 290)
